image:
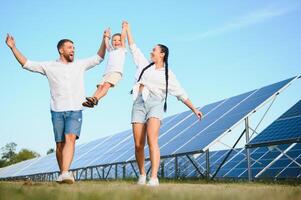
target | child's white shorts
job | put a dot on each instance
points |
(112, 77)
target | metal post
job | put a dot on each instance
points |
(207, 164)
(116, 171)
(162, 168)
(176, 167)
(123, 171)
(247, 149)
(103, 172)
(91, 173)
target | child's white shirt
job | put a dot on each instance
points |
(116, 60)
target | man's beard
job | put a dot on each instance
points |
(69, 58)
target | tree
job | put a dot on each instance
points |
(8, 151)
(24, 154)
(2, 163)
(9, 155)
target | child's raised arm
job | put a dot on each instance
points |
(123, 35)
(128, 32)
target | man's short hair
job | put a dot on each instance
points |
(61, 43)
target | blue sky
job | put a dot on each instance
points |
(217, 50)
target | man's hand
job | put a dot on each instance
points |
(107, 33)
(10, 41)
(125, 25)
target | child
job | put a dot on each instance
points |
(114, 68)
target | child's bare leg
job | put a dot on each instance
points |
(102, 90)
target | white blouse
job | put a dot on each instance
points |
(154, 79)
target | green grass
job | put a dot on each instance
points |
(168, 190)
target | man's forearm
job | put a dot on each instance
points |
(102, 49)
(19, 56)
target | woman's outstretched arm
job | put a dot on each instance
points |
(126, 25)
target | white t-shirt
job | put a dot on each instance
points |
(66, 81)
(116, 60)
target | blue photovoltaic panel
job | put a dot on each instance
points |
(100, 150)
(236, 165)
(11, 171)
(179, 134)
(198, 135)
(286, 129)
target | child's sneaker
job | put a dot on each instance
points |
(91, 102)
(153, 182)
(141, 180)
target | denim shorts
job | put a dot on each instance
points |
(143, 110)
(66, 123)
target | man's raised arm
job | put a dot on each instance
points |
(102, 49)
(10, 41)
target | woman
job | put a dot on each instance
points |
(153, 82)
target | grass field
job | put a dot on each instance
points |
(114, 190)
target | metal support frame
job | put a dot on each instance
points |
(116, 171)
(277, 158)
(195, 164)
(108, 172)
(248, 150)
(91, 171)
(247, 131)
(124, 171)
(98, 172)
(103, 172)
(207, 163)
(134, 169)
(230, 151)
(162, 168)
(176, 167)
(149, 169)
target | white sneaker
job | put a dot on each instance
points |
(59, 179)
(153, 182)
(141, 180)
(67, 177)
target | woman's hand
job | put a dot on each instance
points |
(189, 104)
(198, 113)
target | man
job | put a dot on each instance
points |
(66, 82)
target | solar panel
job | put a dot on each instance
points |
(286, 129)
(287, 166)
(199, 135)
(180, 134)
